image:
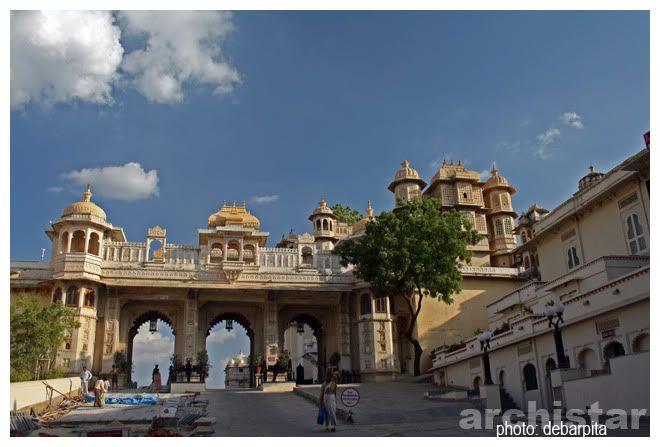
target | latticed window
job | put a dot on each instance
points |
(508, 228)
(635, 234)
(381, 304)
(499, 230)
(72, 296)
(504, 200)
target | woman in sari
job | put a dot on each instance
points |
(329, 401)
(99, 392)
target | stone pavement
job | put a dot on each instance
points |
(384, 410)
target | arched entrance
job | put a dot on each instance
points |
(550, 365)
(641, 343)
(146, 322)
(313, 356)
(222, 328)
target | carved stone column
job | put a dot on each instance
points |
(190, 318)
(271, 339)
(110, 331)
(344, 332)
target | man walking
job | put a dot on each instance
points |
(85, 377)
(188, 370)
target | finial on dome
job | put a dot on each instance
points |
(591, 169)
(87, 195)
(494, 170)
(444, 162)
(323, 203)
(405, 164)
(459, 163)
(243, 204)
(370, 210)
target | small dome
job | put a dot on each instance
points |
(589, 179)
(406, 174)
(322, 209)
(498, 181)
(85, 207)
(233, 215)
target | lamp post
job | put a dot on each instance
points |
(555, 314)
(484, 341)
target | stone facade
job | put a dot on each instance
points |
(116, 285)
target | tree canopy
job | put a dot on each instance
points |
(36, 333)
(413, 251)
(346, 214)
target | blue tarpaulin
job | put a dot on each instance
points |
(136, 400)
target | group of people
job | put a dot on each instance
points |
(102, 385)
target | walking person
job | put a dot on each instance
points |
(85, 377)
(188, 370)
(328, 400)
(99, 392)
(114, 376)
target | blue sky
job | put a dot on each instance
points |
(326, 105)
(300, 106)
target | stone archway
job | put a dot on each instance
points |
(247, 325)
(317, 329)
(133, 331)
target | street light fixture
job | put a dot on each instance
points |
(484, 342)
(555, 314)
(229, 325)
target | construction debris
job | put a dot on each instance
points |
(53, 414)
(21, 423)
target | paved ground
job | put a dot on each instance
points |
(384, 410)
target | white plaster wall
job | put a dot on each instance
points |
(27, 394)
(627, 386)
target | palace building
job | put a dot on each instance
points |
(231, 274)
(587, 261)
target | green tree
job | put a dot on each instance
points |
(413, 251)
(36, 333)
(346, 214)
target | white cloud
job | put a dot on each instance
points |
(181, 46)
(128, 182)
(572, 119)
(55, 189)
(548, 136)
(260, 200)
(486, 173)
(220, 335)
(62, 56)
(151, 349)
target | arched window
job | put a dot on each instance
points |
(330, 222)
(233, 250)
(380, 304)
(529, 376)
(573, 260)
(642, 343)
(318, 224)
(89, 299)
(64, 241)
(72, 296)
(57, 295)
(307, 256)
(613, 349)
(94, 244)
(499, 231)
(365, 304)
(325, 224)
(587, 360)
(78, 242)
(635, 234)
(216, 252)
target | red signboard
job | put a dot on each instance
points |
(608, 333)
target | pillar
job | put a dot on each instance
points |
(68, 242)
(110, 332)
(271, 333)
(190, 333)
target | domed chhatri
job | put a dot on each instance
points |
(498, 181)
(406, 175)
(85, 207)
(233, 215)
